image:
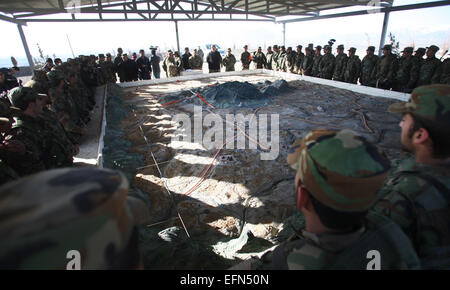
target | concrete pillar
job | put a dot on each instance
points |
(178, 39)
(25, 46)
(383, 32)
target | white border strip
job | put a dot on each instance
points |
(101, 143)
(287, 76)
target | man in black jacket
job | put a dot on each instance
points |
(128, 69)
(214, 60)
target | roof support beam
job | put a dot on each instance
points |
(25, 46)
(380, 10)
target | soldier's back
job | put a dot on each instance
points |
(430, 72)
(346, 251)
(417, 198)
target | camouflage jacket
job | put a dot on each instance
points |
(170, 67)
(339, 68)
(196, 62)
(315, 67)
(326, 66)
(445, 76)
(259, 60)
(298, 62)
(269, 57)
(66, 111)
(245, 59)
(367, 67)
(407, 72)
(27, 130)
(228, 62)
(108, 72)
(385, 68)
(430, 72)
(290, 61)
(275, 57)
(282, 62)
(341, 251)
(417, 198)
(352, 70)
(307, 65)
(59, 147)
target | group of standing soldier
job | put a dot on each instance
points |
(389, 71)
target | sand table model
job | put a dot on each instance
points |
(231, 201)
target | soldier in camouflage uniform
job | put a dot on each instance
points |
(407, 72)
(269, 55)
(108, 70)
(327, 63)
(367, 66)
(58, 214)
(27, 131)
(316, 61)
(338, 175)
(229, 61)
(245, 58)
(195, 61)
(384, 71)
(299, 57)
(64, 106)
(430, 70)
(39, 82)
(169, 65)
(417, 196)
(117, 62)
(341, 61)
(259, 59)
(7, 173)
(445, 77)
(290, 60)
(59, 148)
(276, 54)
(178, 62)
(308, 62)
(352, 69)
(420, 52)
(282, 59)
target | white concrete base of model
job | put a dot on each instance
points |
(92, 143)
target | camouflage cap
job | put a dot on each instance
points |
(299, 46)
(46, 215)
(352, 49)
(55, 75)
(433, 48)
(430, 102)
(387, 47)
(318, 47)
(339, 168)
(21, 96)
(421, 50)
(408, 49)
(340, 46)
(371, 48)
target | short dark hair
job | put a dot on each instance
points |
(334, 219)
(439, 135)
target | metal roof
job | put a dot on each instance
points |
(168, 10)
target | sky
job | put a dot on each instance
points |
(420, 28)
